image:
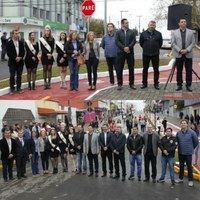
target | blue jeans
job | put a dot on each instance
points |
(138, 159)
(170, 161)
(81, 157)
(74, 69)
(34, 163)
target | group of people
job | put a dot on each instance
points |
(110, 144)
(118, 47)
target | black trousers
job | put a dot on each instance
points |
(188, 68)
(7, 168)
(155, 63)
(21, 165)
(121, 58)
(3, 52)
(147, 159)
(188, 160)
(91, 158)
(111, 62)
(104, 155)
(15, 70)
(45, 160)
(121, 158)
(92, 65)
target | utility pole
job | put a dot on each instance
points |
(122, 11)
(105, 16)
(139, 16)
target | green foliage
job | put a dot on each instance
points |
(180, 104)
(97, 26)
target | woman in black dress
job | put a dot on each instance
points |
(47, 43)
(72, 148)
(54, 149)
(63, 144)
(31, 59)
(62, 58)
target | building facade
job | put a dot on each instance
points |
(34, 15)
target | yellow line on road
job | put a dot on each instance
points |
(46, 98)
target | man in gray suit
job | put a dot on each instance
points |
(91, 148)
(151, 144)
(183, 41)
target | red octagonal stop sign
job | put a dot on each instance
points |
(88, 8)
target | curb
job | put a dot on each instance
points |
(84, 76)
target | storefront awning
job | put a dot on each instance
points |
(49, 111)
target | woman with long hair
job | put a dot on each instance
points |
(73, 48)
(72, 148)
(31, 59)
(54, 149)
(92, 54)
(62, 58)
(44, 151)
(47, 43)
(63, 144)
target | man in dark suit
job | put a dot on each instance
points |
(118, 143)
(106, 151)
(21, 155)
(183, 41)
(15, 53)
(8, 151)
(151, 144)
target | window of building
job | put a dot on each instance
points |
(59, 17)
(48, 17)
(35, 12)
(42, 14)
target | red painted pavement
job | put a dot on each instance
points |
(56, 93)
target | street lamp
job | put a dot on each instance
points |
(139, 16)
(122, 11)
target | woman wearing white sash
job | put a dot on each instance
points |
(62, 58)
(31, 59)
(54, 149)
(47, 43)
(72, 148)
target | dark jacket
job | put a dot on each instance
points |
(168, 144)
(78, 140)
(102, 140)
(12, 54)
(187, 141)
(151, 42)
(135, 144)
(21, 151)
(5, 149)
(125, 40)
(155, 143)
(69, 48)
(118, 142)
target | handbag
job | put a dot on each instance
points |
(80, 59)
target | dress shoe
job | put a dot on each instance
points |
(157, 87)
(24, 176)
(133, 87)
(146, 180)
(154, 180)
(111, 175)
(123, 178)
(19, 177)
(12, 178)
(116, 177)
(189, 89)
(119, 87)
(103, 175)
(96, 175)
(179, 88)
(91, 174)
(143, 86)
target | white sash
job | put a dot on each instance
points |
(71, 140)
(62, 137)
(46, 45)
(30, 46)
(60, 45)
(51, 143)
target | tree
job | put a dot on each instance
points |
(161, 10)
(97, 26)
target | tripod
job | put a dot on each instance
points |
(170, 77)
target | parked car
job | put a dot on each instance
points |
(167, 43)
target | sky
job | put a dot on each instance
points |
(139, 104)
(134, 9)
